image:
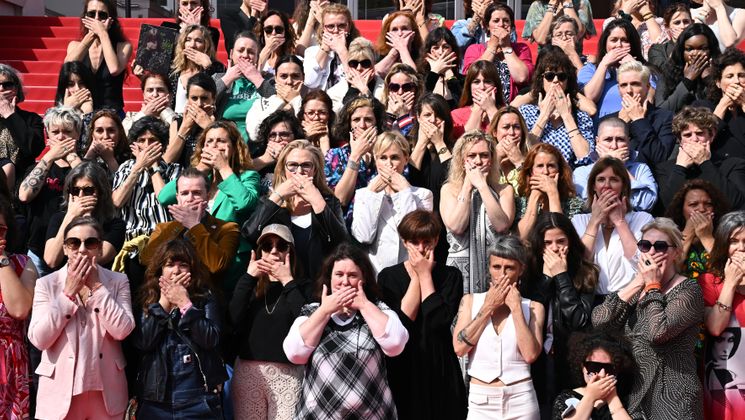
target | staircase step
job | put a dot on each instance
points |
(46, 93)
(24, 66)
(33, 54)
(59, 43)
(40, 107)
(74, 21)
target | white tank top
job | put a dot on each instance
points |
(497, 355)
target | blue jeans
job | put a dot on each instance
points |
(201, 407)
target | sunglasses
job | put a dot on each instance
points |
(97, 14)
(304, 166)
(551, 75)
(87, 191)
(280, 246)
(406, 87)
(279, 30)
(366, 64)
(596, 367)
(659, 246)
(90, 243)
(8, 85)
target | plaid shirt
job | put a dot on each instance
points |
(558, 136)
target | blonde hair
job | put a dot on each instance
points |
(387, 139)
(635, 66)
(361, 47)
(319, 179)
(670, 229)
(457, 172)
(180, 62)
(407, 70)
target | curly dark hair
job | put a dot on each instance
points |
(434, 37)
(581, 345)
(554, 59)
(718, 200)
(347, 251)
(672, 71)
(729, 57)
(280, 116)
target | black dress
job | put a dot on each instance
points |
(426, 379)
(565, 400)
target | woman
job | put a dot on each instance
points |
(194, 53)
(481, 99)
(425, 379)
(727, 22)
(544, 184)
(349, 167)
(402, 89)
(609, 232)
(104, 50)
(178, 337)
(199, 112)
(543, 15)
(659, 310)
(342, 341)
(605, 365)
(317, 117)
(234, 190)
(555, 118)
(502, 334)
(323, 63)
(193, 12)
(475, 207)
(302, 201)
(305, 21)
(697, 209)
(156, 99)
(21, 132)
(676, 18)
(17, 279)
(389, 197)
(641, 15)
(564, 281)
(398, 42)
(242, 84)
(74, 87)
(275, 132)
(513, 60)
(564, 33)
(81, 312)
(722, 286)
(40, 191)
(107, 144)
(618, 43)
(87, 192)
(440, 62)
(265, 384)
(360, 77)
(727, 98)
(276, 39)
(686, 74)
(511, 133)
(289, 90)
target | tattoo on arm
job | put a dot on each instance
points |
(35, 180)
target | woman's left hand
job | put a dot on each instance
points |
(97, 27)
(547, 184)
(650, 268)
(513, 300)
(420, 263)
(190, 17)
(396, 180)
(305, 187)
(175, 289)
(280, 270)
(555, 263)
(703, 224)
(217, 159)
(7, 106)
(197, 57)
(360, 299)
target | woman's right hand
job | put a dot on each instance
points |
(399, 40)
(78, 269)
(286, 189)
(190, 17)
(734, 269)
(603, 204)
(442, 62)
(693, 68)
(76, 99)
(197, 57)
(153, 107)
(547, 103)
(336, 301)
(496, 295)
(362, 142)
(554, 263)
(60, 149)
(614, 56)
(253, 265)
(600, 386)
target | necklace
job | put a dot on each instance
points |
(266, 305)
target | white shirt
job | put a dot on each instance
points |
(317, 77)
(616, 271)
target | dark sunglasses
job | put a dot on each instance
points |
(90, 243)
(87, 191)
(366, 64)
(279, 30)
(268, 246)
(8, 85)
(97, 14)
(407, 87)
(659, 246)
(596, 367)
(550, 75)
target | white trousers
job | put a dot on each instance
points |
(503, 403)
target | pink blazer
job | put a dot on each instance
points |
(51, 331)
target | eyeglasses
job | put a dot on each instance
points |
(283, 135)
(303, 166)
(659, 246)
(316, 113)
(567, 34)
(8, 85)
(338, 27)
(366, 63)
(596, 367)
(87, 191)
(97, 14)
(279, 245)
(90, 243)
(279, 30)
(407, 87)
(551, 75)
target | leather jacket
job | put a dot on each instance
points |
(188, 344)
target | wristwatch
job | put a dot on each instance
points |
(507, 50)
(442, 150)
(569, 5)
(4, 261)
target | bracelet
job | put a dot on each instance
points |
(462, 338)
(353, 165)
(652, 286)
(724, 307)
(493, 51)
(647, 17)
(181, 136)
(589, 234)
(551, 8)
(573, 130)
(538, 126)
(281, 199)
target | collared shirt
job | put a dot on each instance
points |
(559, 137)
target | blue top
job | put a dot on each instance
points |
(643, 184)
(558, 136)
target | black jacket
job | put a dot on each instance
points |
(27, 131)
(327, 229)
(158, 333)
(652, 136)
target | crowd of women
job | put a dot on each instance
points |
(434, 225)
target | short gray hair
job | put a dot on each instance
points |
(14, 77)
(636, 66)
(509, 247)
(615, 122)
(65, 116)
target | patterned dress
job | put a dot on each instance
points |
(14, 376)
(663, 329)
